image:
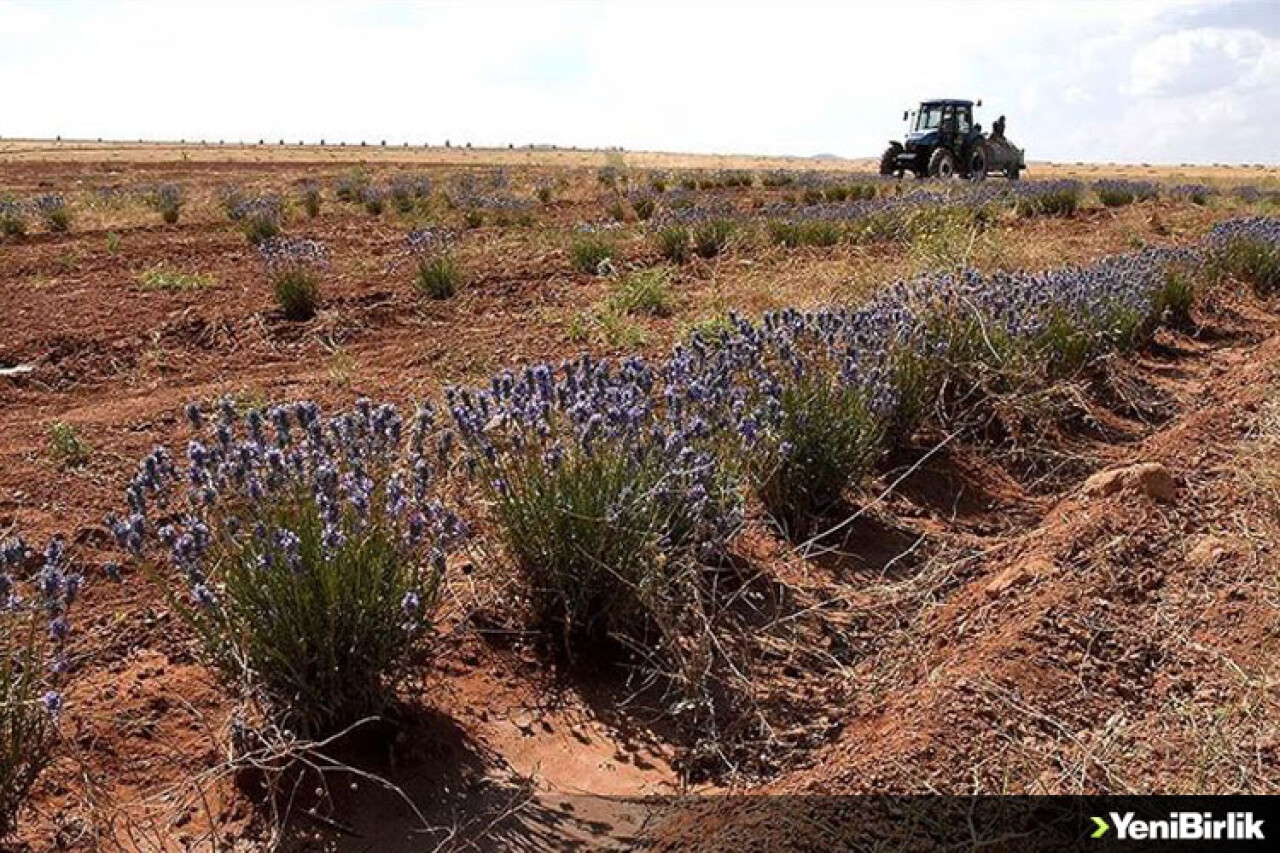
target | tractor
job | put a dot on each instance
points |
(943, 142)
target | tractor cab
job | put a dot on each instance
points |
(942, 141)
(939, 118)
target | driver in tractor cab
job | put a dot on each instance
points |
(997, 128)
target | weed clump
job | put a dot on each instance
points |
(593, 252)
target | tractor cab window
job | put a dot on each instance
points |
(929, 118)
(962, 120)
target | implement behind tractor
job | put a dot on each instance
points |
(945, 143)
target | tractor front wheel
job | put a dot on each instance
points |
(942, 164)
(1013, 173)
(889, 160)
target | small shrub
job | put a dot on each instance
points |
(13, 220)
(610, 176)
(1049, 198)
(673, 242)
(53, 211)
(294, 267)
(373, 200)
(66, 446)
(826, 439)
(592, 253)
(643, 292)
(259, 218)
(231, 199)
(777, 178)
(1197, 194)
(606, 517)
(1173, 302)
(402, 195)
(644, 205)
(438, 277)
(307, 575)
(545, 192)
(311, 199)
(33, 664)
(1248, 250)
(167, 200)
(784, 232)
(436, 273)
(350, 187)
(473, 218)
(1118, 193)
(711, 236)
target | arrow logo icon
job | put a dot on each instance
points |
(1103, 826)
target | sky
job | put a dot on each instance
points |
(1122, 80)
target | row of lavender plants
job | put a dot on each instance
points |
(307, 553)
(612, 485)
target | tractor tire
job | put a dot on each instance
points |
(889, 160)
(978, 164)
(1013, 173)
(942, 164)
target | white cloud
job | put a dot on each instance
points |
(1194, 62)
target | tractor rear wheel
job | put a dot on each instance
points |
(889, 160)
(978, 164)
(942, 164)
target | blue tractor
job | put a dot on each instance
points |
(944, 142)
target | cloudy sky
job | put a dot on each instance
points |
(1127, 81)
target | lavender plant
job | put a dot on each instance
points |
(33, 668)
(643, 203)
(294, 267)
(53, 210)
(673, 241)
(1048, 198)
(1117, 193)
(807, 398)
(606, 497)
(402, 195)
(259, 217)
(1198, 194)
(711, 234)
(167, 200)
(1249, 251)
(350, 187)
(13, 219)
(373, 200)
(305, 553)
(436, 272)
(311, 198)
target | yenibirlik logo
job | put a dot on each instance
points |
(1182, 826)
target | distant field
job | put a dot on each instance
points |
(46, 150)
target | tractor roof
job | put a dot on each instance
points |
(947, 102)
